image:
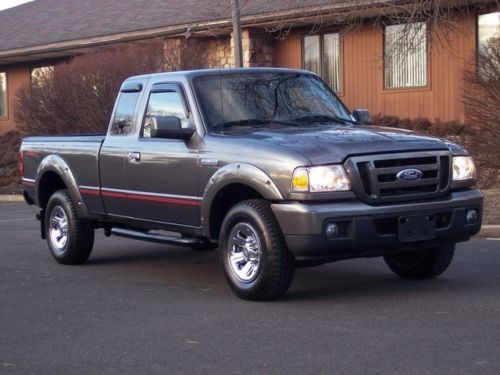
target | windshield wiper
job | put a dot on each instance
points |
(324, 119)
(251, 122)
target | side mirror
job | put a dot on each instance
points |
(169, 127)
(362, 116)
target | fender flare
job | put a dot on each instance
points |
(236, 173)
(56, 164)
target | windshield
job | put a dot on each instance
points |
(243, 100)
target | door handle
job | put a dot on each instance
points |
(134, 157)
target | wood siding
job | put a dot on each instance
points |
(363, 80)
(17, 77)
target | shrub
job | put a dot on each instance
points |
(482, 90)
(77, 96)
(9, 176)
(478, 141)
(449, 128)
(423, 125)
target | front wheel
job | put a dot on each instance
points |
(69, 237)
(257, 263)
(421, 264)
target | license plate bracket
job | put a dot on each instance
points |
(417, 227)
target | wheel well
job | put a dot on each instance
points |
(227, 197)
(49, 183)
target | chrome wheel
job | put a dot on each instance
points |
(244, 252)
(58, 229)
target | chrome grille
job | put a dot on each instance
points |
(373, 177)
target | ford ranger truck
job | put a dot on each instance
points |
(267, 165)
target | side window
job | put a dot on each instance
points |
(124, 113)
(165, 103)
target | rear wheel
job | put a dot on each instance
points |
(257, 263)
(422, 264)
(70, 238)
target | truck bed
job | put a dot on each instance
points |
(79, 152)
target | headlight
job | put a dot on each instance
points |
(320, 179)
(463, 168)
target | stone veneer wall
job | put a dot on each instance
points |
(258, 48)
(199, 52)
(218, 52)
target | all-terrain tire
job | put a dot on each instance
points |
(69, 237)
(421, 264)
(257, 263)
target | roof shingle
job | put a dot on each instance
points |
(43, 22)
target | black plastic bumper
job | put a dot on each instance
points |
(366, 230)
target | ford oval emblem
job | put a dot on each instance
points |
(409, 175)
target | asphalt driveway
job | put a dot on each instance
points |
(140, 308)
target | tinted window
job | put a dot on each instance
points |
(124, 113)
(272, 97)
(168, 103)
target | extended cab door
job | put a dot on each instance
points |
(162, 173)
(113, 154)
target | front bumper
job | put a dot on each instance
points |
(372, 230)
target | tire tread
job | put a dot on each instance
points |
(434, 261)
(282, 264)
(81, 236)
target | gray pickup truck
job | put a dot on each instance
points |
(267, 165)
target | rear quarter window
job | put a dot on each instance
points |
(124, 113)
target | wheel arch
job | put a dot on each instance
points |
(229, 185)
(55, 174)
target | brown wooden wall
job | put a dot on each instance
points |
(363, 85)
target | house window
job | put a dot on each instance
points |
(322, 56)
(405, 55)
(488, 44)
(488, 30)
(3, 94)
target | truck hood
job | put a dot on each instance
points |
(332, 144)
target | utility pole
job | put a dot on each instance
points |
(238, 49)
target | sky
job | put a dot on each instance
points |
(4, 4)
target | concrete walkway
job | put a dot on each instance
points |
(11, 198)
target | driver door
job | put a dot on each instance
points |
(162, 173)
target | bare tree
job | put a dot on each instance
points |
(426, 14)
(78, 95)
(482, 90)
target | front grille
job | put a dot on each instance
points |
(374, 177)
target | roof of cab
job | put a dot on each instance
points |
(207, 72)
